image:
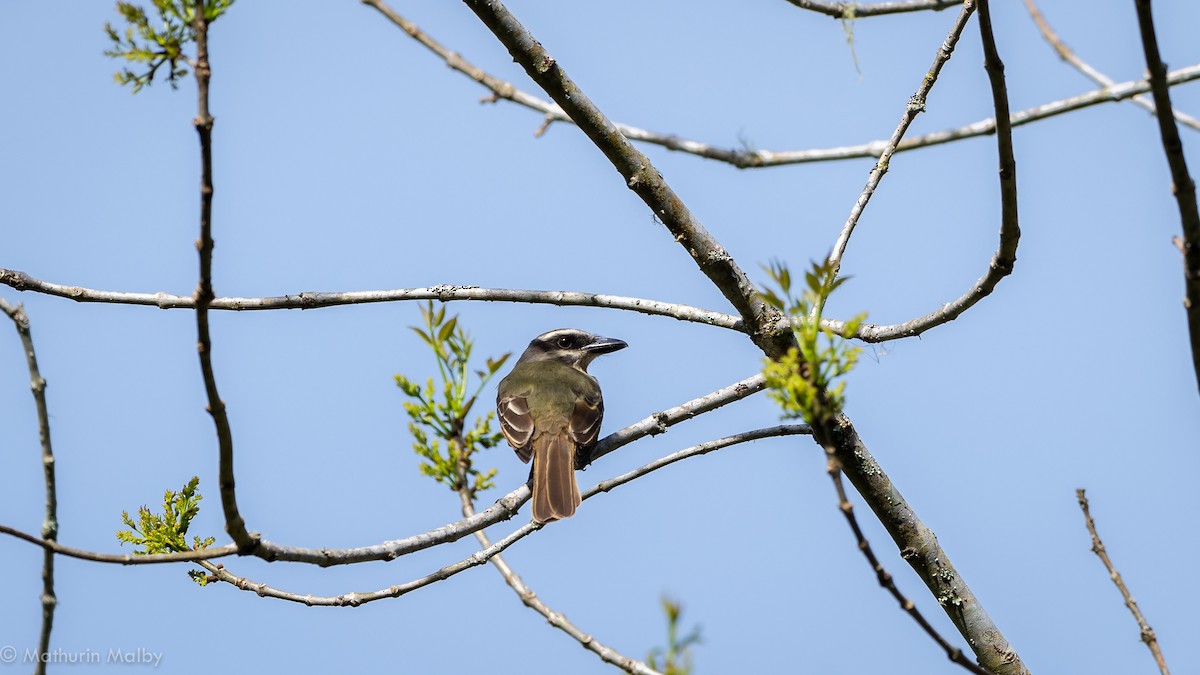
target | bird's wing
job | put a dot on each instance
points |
(517, 424)
(586, 417)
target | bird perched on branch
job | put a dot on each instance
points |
(550, 411)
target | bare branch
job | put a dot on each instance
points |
(915, 106)
(1001, 264)
(885, 578)
(442, 293)
(234, 524)
(764, 327)
(1066, 54)
(659, 422)
(556, 619)
(701, 449)
(506, 507)
(1098, 548)
(750, 159)
(854, 10)
(640, 175)
(919, 547)
(1182, 184)
(482, 556)
(37, 385)
(353, 599)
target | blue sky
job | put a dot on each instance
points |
(349, 158)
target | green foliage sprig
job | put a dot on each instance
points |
(676, 658)
(804, 382)
(153, 45)
(437, 419)
(167, 533)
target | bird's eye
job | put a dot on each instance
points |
(564, 342)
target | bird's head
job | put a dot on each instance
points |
(571, 346)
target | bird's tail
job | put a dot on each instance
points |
(555, 494)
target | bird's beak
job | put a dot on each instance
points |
(602, 345)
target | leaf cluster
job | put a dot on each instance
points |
(151, 45)
(167, 533)
(676, 658)
(441, 414)
(805, 381)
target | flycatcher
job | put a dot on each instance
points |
(550, 410)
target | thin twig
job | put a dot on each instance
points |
(833, 467)
(442, 293)
(750, 159)
(915, 106)
(1066, 54)
(532, 601)
(235, 526)
(37, 385)
(1182, 184)
(1147, 632)
(854, 10)
(479, 557)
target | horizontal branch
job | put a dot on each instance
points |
(482, 556)
(854, 10)
(121, 558)
(444, 293)
(750, 159)
(1068, 55)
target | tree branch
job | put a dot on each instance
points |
(1182, 184)
(121, 558)
(1066, 54)
(854, 10)
(504, 508)
(990, 645)
(1005, 257)
(750, 159)
(556, 619)
(37, 385)
(639, 173)
(658, 422)
(482, 556)
(915, 106)
(442, 293)
(885, 578)
(1147, 633)
(234, 524)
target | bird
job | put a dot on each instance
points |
(550, 410)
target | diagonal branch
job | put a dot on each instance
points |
(1147, 632)
(885, 578)
(1182, 184)
(1066, 54)
(556, 619)
(37, 385)
(506, 507)
(639, 173)
(915, 106)
(480, 557)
